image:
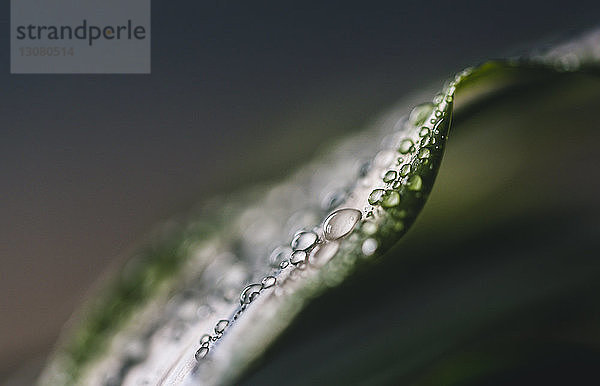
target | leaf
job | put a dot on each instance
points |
(353, 205)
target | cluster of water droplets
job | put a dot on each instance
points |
(394, 168)
(308, 247)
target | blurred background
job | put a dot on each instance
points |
(239, 93)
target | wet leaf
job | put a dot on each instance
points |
(306, 281)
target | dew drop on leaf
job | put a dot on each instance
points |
(278, 255)
(376, 196)
(298, 257)
(405, 170)
(390, 199)
(250, 293)
(406, 146)
(304, 240)
(424, 153)
(369, 228)
(419, 113)
(414, 182)
(369, 246)
(268, 281)
(201, 353)
(221, 326)
(340, 223)
(390, 176)
(205, 339)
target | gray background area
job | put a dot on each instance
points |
(240, 92)
(116, 55)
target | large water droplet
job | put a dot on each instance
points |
(221, 326)
(376, 196)
(250, 293)
(340, 223)
(201, 353)
(304, 240)
(298, 257)
(268, 281)
(390, 199)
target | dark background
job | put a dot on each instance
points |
(239, 92)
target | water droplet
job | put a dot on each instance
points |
(278, 255)
(406, 146)
(390, 199)
(221, 326)
(369, 246)
(269, 281)
(340, 223)
(298, 257)
(376, 196)
(369, 228)
(427, 141)
(323, 253)
(205, 339)
(405, 170)
(397, 184)
(201, 353)
(424, 153)
(284, 264)
(424, 132)
(390, 176)
(419, 114)
(414, 182)
(250, 293)
(304, 240)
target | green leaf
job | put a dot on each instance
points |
(230, 272)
